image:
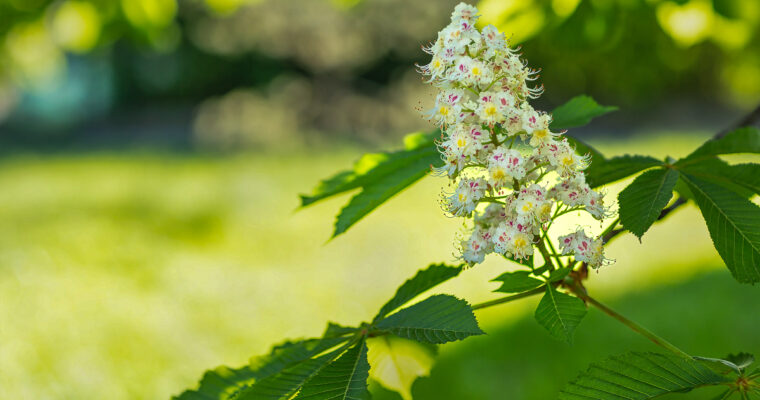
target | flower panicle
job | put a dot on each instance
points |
(520, 175)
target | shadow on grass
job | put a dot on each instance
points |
(711, 316)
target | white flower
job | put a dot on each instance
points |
(522, 245)
(594, 204)
(489, 109)
(479, 74)
(563, 157)
(504, 165)
(543, 211)
(590, 251)
(448, 107)
(494, 41)
(465, 12)
(573, 192)
(477, 246)
(466, 197)
(525, 207)
(484, 111)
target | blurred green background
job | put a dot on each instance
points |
(151, 153)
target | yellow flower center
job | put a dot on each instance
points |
(568, 161)
(520, 242)
(461, 142)
(545, 211)
(443, 110)
(527, 206)
(475, 71)
(499, 174)
(490, 110)
(541, 133)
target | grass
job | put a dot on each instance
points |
(125, 276)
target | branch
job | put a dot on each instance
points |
(509, 298)
(581, 293)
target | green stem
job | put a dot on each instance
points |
(546, 255)
(494, 138)
(509, 298)
(627, 322)
(610, 228)
(491, 200)
(535, 168)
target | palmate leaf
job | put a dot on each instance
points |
(742, 140)
(516, 282)
(219, 384)
(560, 313)
(285, 383)
(343, 379)
(222, 382)
(640, 376)
(437, 319)
(291, 353)
(643, 200)
(578, 111)
(424, 279)
(734, 225)
(616, 168)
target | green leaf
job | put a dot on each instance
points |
(517, 282)
(741, 360)
(403, 171)
(742, 140)
(559, 274)
(725, 395)
(343, 379)
(335, 330)
(734, 225)
(616, 168)
(222, 382)
(643, 200)
(579, 111)
(736, 363)
(741, 178)
(370, 168)
(219, 384)
(398, 362)
(437, 319)
(640, 376)
(424, 279)
(290, 353)
(285, 383)
(560, 313)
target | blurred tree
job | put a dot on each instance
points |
(344, 67)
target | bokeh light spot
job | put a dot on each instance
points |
(76, 26)
(687, 24)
